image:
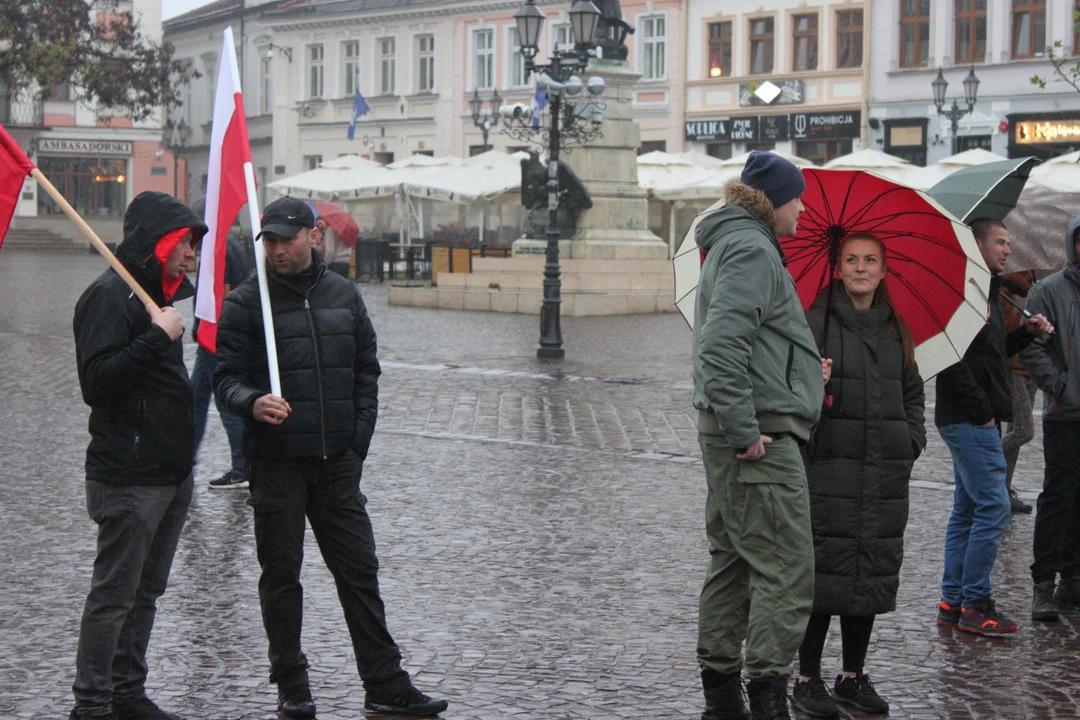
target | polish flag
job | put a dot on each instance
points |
(14, 167)
(229, 184)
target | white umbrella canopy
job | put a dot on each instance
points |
(414, 161)
(1060, 174)
(711, 186)
(350, 162)
(358, 182)
(700, 159)
(482, 178)
(879, 163)
(739, 161)
(658, 171)
(925, 178)
(687, 264)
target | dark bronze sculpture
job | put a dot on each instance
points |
(573, 198)
(612, 30)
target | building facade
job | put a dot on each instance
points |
(197, 38)
(777, 75)
(99, 164)
(1004, 42)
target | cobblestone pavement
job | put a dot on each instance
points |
(540, 530)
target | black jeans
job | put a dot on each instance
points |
(1057, 518)
(328, 493)
(138, 530)
(854, 635)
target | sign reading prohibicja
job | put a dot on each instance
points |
(1030, 132)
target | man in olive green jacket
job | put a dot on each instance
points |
(758, 390)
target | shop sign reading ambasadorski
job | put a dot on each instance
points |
(95, 148)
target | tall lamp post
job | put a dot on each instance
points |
(570, 123)
(485, 122)
(954, 113)
(176, 138)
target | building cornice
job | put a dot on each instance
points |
(291, 19)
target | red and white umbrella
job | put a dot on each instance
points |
(937, 278)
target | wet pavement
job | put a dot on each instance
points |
(540, 527)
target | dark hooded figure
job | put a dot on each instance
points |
(138, 464)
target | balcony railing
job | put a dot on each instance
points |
(18, 110)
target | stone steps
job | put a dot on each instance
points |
(41, 240)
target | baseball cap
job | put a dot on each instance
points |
(286, 216)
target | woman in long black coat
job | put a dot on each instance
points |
(858, 468)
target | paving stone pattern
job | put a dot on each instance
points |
(540, 527)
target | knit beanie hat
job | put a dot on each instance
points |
(778, 178)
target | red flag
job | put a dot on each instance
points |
(14, 167)
(226, 191)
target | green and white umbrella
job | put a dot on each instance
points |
(983, 191)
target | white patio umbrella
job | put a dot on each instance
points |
(879, 163)
(358, 179)
(711, 186)
(1060, 174)
(925, 178)
(659, 170)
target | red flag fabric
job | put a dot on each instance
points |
(14, 167)
(226, 191)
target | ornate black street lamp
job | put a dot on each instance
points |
(570, 124)
(971, 96)
(485, 122)
(176, 138)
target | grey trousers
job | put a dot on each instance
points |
(1022, 428)
(138, 531)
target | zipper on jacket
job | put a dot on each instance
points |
(138, 427)
(318, 368)
(790, 362)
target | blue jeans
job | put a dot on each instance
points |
(138, 530)
(980, 514)
(202, 384)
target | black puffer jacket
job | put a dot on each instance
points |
(131, 374)
(978, 388)
(859, 463)
(326, 350)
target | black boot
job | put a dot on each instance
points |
(723, 696)
(1044, 606)
(1068, 593)
(768, 699)
(294, 697)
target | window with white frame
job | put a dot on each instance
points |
(653, 63)
(484, 59)
(315, 71)
(517, 60)
(350, 71)
(562, 37)
(387, 65)
(425, 63)
(266, 84)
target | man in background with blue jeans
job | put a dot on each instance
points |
(974, 397)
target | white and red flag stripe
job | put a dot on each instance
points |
(226, 190)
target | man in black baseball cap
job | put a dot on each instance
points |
(304, 453)
(286, 217)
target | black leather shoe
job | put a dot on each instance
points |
(406, 701)
(768, 699)
(142, 709)
(294, 698)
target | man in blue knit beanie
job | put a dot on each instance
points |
(758, 390)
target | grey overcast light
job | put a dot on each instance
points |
(172, 8)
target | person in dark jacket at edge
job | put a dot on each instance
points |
(974, 397)
(758, 391)
(1054, 362)
(305, 453)
(138, 464)
(202, 375)
(858, 468)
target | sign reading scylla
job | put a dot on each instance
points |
(836, 125)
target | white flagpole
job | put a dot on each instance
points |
(256, 227)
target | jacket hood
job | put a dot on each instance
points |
(149, 217)
(1070, 239)
(746, 208)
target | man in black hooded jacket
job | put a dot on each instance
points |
(305, 454)
(138, 464)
